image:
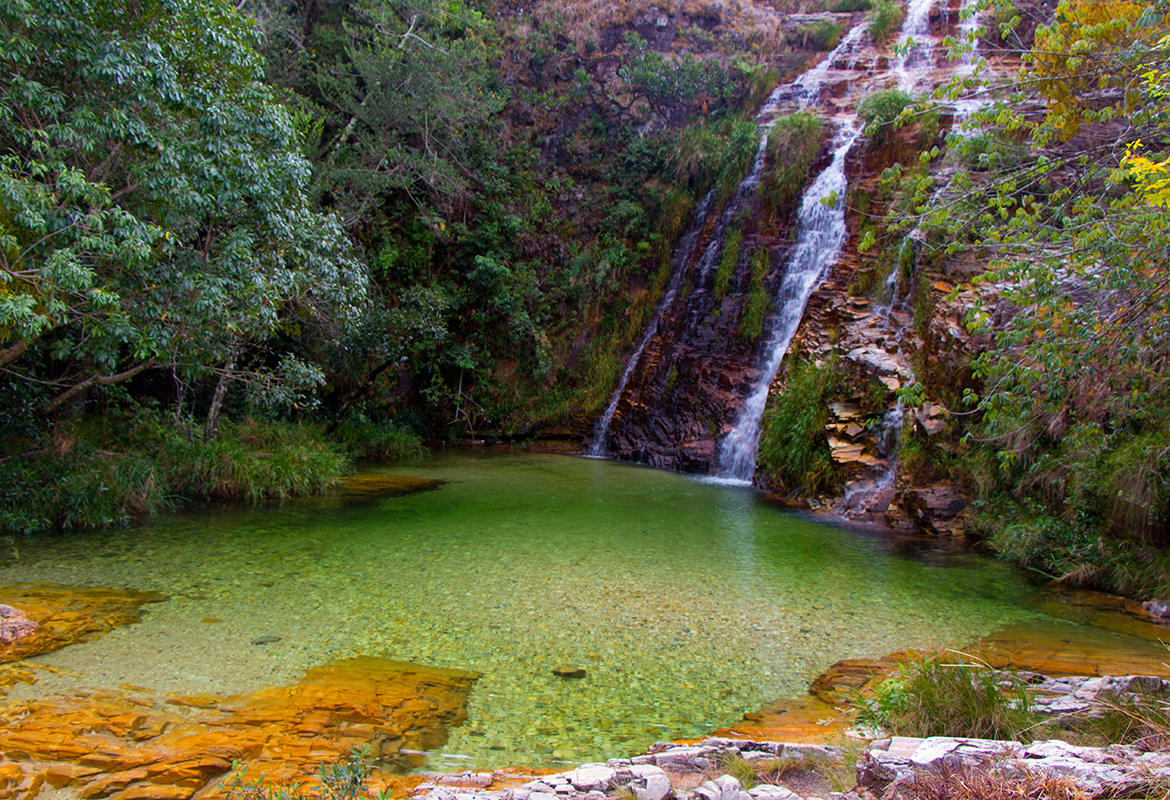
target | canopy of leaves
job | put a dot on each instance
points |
(152, 198)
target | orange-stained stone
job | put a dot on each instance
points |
(65, 615)
(152, 791)
(60, 775)
(94, 743)
(102, 785)
(195, 700)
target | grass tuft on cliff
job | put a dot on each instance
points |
(794, 453)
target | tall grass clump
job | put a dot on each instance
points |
(727, 262)
(793, 144)
(739, 152)
(81, 487)
(253, 461)
(751, 324)
(821, 36)
(943, 696)
(885, 20)
(794, 452)
(362, 438)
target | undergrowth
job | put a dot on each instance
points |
(793, 144)
(141, 461)
(945, 696)
(793, 451)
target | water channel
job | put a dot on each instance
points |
(688, 603)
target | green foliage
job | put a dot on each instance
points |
(1073, 550)
(850, 6)
(661, 82)
(154, 208)
(252, 461)
(822, 36)
(793, 451)
(759, 303)
(727, 263)
(943, 696)
(793, 143)
(84, 488)
(362, 438)
(885, 20)
(881, 111)
(410, 89)
(344, 779)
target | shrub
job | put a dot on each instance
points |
(820, 36)
(880, 111)
(793, 144)
(943, 696)
(751, 325)
(362, 438)
(885, 20)
(81, 488)
(794, 452)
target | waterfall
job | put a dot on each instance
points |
(916, 45)
(968, 34)
(810, 83)
(801, 92)
(599, 447)
(861, 495)
(820, 234)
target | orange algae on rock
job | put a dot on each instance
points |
(64, 615)
(372, 486)
(135, 748)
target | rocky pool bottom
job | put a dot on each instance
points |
(130, 745)
(686, 604)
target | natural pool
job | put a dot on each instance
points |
(687, 603)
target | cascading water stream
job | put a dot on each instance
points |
(803, 91)
(599, 447)
(862, 495)
(915, 44)
(821, 232)
(968, 37)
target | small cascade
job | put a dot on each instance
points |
(686, 268)
(968, 36)
(807, 88)
(867, 497)
(820, 234)
(914, 62)
(599, 447)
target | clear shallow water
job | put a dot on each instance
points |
(687, 602)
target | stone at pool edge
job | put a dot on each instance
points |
(569, 672)
(65, 615)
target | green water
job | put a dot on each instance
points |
(687, 603)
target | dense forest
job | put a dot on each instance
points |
(246, 245)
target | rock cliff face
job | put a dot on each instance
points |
(696, 366)
(692, 377)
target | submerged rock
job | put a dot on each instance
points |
(39, 618)
(98, 744)
(569, 672)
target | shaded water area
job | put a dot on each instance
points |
(686, 603)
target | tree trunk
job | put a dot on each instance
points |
(212, 428)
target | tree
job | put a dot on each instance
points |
(154, 209)
(1073, 407)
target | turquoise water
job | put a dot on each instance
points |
(686, 603)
